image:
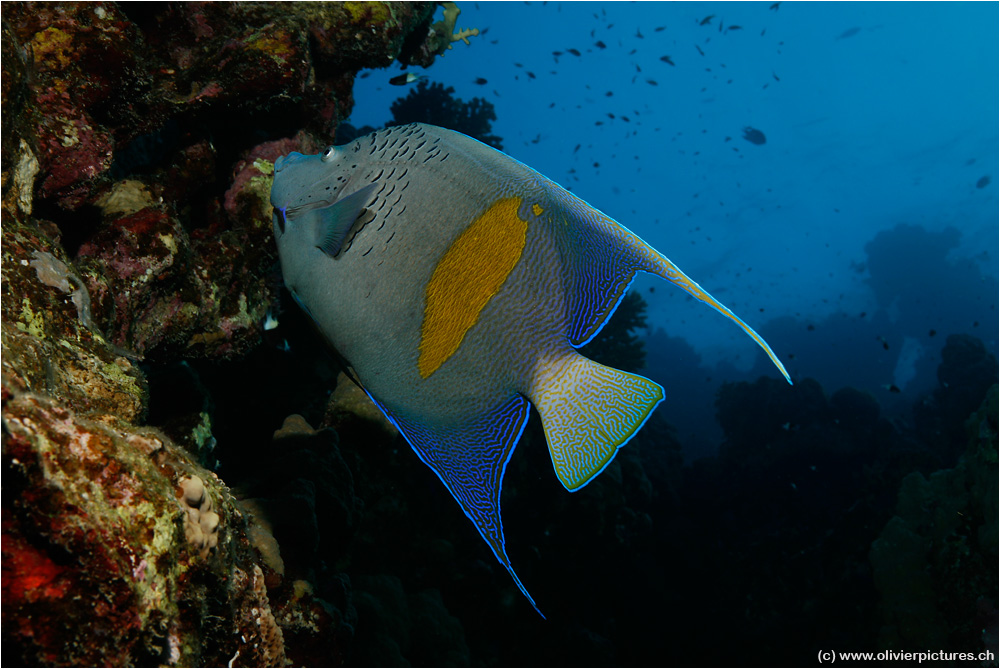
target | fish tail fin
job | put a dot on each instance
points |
(588, 412)
(658, 264)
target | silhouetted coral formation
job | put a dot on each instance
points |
(437, 105)
(935, 561)
(619, 344)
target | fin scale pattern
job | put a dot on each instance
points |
(589, 411)
(601, 264)
(471, 460)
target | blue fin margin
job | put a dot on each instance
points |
(603, 258)
(471, 461)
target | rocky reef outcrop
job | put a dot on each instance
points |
(137, 150)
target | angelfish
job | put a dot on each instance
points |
(458, 285)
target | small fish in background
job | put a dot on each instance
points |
(754, 136)
(405, 78)
(885, 344)
(699, 50)
(983, 182)
(600, 45)
(892, 387)
(775, 6)
(479, 81)
(708, 19)
(669, 61)
(573, 51)
(458, 285)
(850, 32)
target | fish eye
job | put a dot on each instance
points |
(329, 153)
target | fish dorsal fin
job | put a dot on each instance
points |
(601, 260)
(470, 460)
(600, 263)
(334, 222)
(588, 412)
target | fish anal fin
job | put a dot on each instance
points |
(588, 412)
(470, 460)
(335, 221)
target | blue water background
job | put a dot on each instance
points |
(875, 114)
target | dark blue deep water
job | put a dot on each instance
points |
(828, 171)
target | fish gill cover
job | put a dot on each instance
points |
(853, 511)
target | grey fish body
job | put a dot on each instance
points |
(458, 283)
(369, 313)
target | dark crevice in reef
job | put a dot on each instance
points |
(75, 228)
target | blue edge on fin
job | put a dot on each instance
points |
(727, 312)
(502, 558)
(502, 555)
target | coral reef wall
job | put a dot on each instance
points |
(137, 150)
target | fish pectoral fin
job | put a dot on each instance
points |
(470, 460)
(588, 412)
(334, 222)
